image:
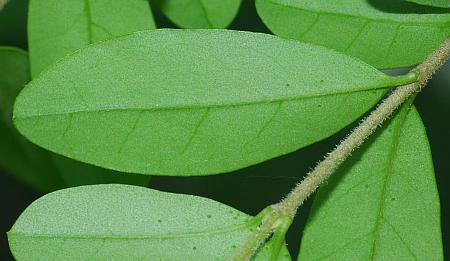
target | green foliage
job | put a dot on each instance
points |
(224, 101)
(202, 102)
(200, 14)
(69, 26)
(385, 34)
(59, 27)
(383, 204)
(437, 3)
(19, 157)
(35, 167)
(106, 222)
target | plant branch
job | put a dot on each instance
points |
(334, 159)
(289, 205)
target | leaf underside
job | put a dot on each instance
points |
(18, 157)
(121, 222)
(385, 34)
(211, 106)
(72, 25)
(383, 204)
(200, 14)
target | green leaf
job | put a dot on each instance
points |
(437, 3)
(224, 101)
(18, 157)
(200, 13)
(383, 205)
(385, 34)
(59, 27)
(120, 222)
(69, 26)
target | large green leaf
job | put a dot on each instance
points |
(59, 27)
(204, 102)
(383, 33)
(383, 205)
(19, 157)
(437, 3)
(120, 222)
(200, 13)
(71, 25)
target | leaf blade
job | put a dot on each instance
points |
(71, 25)
(157, 225)
(200, 14)
(381, 33)
(385, 206)
(149, 125)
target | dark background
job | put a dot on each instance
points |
(253, 188)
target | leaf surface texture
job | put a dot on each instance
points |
(121, 222)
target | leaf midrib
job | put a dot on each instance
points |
(246, 225)
(433, 24)
(204, 106)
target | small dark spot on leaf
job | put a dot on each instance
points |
(366, 186)
(208, 216)
(194, 248)
(159, 220)
(393, 199)
(321, 81)
(319, 105)
(233, 246)
(287, 85)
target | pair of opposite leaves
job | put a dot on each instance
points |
(208, 102)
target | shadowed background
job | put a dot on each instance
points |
(253, 188)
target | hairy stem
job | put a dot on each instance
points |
(289, 205)
(387, 107)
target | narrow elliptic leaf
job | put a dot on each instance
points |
(59, 27)
(200, 13)
(437, 3)
(121, 222)
(383, 205)
(385, 34)
(224, 101)
(18, 157)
